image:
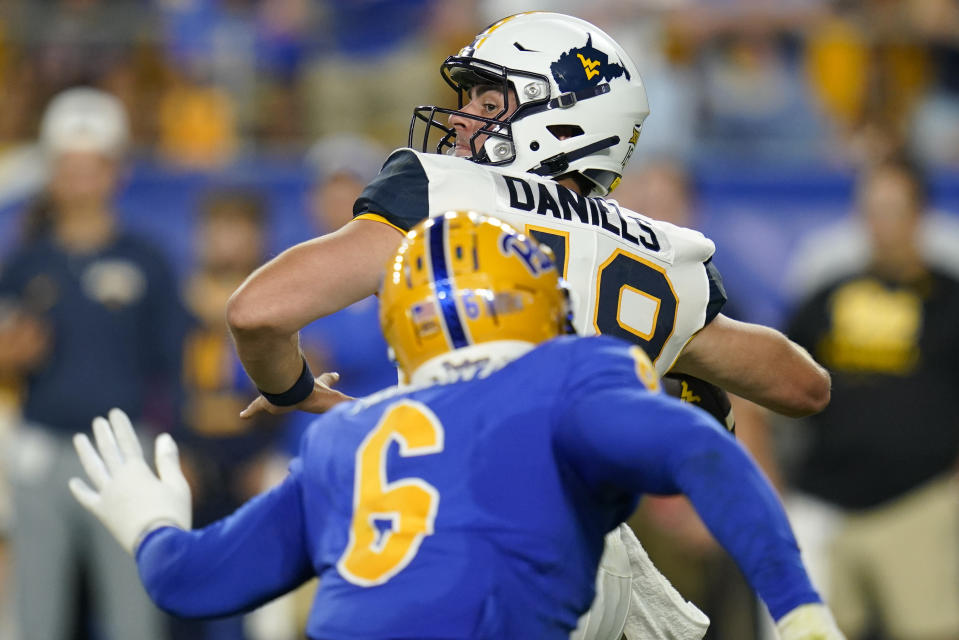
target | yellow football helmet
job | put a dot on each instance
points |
(463, 279)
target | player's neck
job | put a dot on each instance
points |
(570, 184)
(474, 362)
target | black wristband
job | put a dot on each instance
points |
(296, 394)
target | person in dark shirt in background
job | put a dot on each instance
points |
(230, 243)
(878, 484)
(225, 456)
(103, 323)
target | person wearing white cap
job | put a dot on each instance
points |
(105, 323)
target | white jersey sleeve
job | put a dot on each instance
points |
(646, 281)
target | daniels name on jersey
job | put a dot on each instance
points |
(646, 281)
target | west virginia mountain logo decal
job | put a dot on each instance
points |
(584, 67)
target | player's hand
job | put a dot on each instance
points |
(323, 398)
(127, 497)
(809, 622)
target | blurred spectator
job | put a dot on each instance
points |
(48, 46)
(936, 124)
(197, 126)
(97, 322)
(872, 65)
(9, 420)
(342, 165)
(843, 248)
(230, 242)
(801, 80)
(214, 41)
(864, 78)
(878, 490)
(756, 104)
(223, 454)
(211, 81)
(376, 66)
(251, 53)
(75, 41)
(837, 61)
(284, 39)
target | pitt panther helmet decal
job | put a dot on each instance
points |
(464, 279)
(579, 101)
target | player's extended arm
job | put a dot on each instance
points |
(622, 439)
(757, 363)
(237, 563)
(308, 281)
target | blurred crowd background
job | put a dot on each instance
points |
(253, 124)
(208, 82)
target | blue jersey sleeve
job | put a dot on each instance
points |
(399, 195)
(236, 564)
(619, 436)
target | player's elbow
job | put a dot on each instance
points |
(820, 392)
(247, 314)
(160, 568)
(170, 601)
(810, 395)
(804, 385)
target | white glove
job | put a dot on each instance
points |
(130, 500)
(809, 622)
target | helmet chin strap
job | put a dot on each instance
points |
(555, 165)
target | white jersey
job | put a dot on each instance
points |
(647, 281)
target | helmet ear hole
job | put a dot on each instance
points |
(565, 131)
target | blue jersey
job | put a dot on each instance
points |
(478, 509)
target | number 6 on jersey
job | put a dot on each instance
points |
(409, 505)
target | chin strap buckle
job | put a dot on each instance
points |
(553, 166)
(566, 100)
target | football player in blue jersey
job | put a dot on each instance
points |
(473, 502)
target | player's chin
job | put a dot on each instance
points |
(462, 152)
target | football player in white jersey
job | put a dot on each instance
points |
(550, 110)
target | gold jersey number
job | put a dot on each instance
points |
(390, 519)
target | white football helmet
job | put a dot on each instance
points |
(581, 102)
